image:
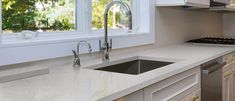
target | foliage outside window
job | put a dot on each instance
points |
(117, 16)
(46, 15)
(57, 15)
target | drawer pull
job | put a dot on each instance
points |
(195, 98)
(227, 74)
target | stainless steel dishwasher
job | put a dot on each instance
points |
(212, 80)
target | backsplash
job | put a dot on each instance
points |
(229, 24)
(176, 25)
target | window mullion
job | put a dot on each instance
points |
(80, 15)
(88, 16)
(84, 15)
(1, 22)
(135, 12)
(77, 17)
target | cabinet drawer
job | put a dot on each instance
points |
(171, 88)
(136, 96)
(195, 96)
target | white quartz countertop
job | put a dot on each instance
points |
(63, 83)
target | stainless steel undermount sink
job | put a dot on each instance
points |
(135, 66)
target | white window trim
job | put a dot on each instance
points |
(51, 46)
(84, 26)
(84, 21)
(1, 23)
(14, 42)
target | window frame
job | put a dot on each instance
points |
(83, 25)
(48, 46)
(135, 12)
(1, 32)
(83, 21)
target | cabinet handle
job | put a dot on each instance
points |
(195, 98)
(227, 74)
(234, 70)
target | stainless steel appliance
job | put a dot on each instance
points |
(213, 40)
(212, 80)
(219, 2)
(213, 71)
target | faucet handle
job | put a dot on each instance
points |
(110, 44)
(75, 54)
(76, 61)
(100, 45)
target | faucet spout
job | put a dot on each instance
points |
(77, 62)
(108, 7)
(106, 45)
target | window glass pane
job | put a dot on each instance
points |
(46, 15)
(118, 18)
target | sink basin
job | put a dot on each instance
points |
(135, 67)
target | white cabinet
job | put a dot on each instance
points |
(232, 1)
(181, 87)
(175, 87)
(192, 3)
(229, 84)
(227, 87)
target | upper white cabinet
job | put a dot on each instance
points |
(192, 3)
(230, 7)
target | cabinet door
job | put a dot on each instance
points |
(174, 88)
(201, 2)
(232, 1)
(233, 85)
(136, 96)
(227, 86)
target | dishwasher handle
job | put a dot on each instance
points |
(212, 68)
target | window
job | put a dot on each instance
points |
(117, 17)
(46, 15)
(62, 15)
(58, 42)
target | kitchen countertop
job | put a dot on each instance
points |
(63, 83)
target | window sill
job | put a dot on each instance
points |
(12, 41)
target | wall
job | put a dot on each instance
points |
(229, 24)
(176, 25)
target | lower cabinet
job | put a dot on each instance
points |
(181, 87)
(229, 84)
(175, 87)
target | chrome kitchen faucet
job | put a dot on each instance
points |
(77, 62)
(106, 46)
